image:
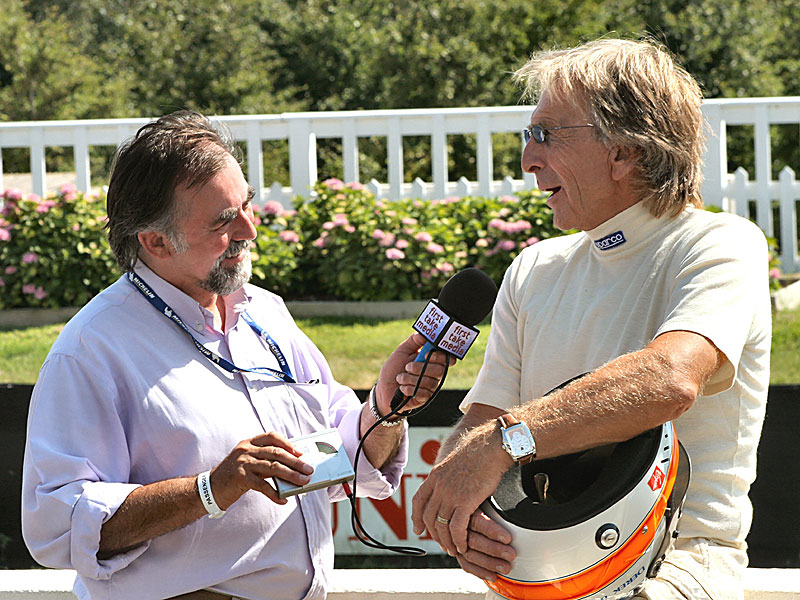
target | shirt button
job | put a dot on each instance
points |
(199, 326)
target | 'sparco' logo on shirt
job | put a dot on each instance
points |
(611, 241)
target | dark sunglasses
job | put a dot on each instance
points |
(539, 133)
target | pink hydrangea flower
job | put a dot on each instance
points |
(39, 293)
(13, 194)
(423, 237)
(355, 185)
(387, 241)
(272, 207)
(30, 258)
(349, 228)
(434, 248)
(288, 236)
(67, 188)
(402, 244)
(446, 267)
(395, 254)
(28, 288)
(328, 225)
(497, 224)
(508, 198)
(334, 183)
(34, 197)
(76, 227)
(378, 234)
(45, 206)
(409, 221)
(506, 245)
(11, 270)
(320, 242)
(531, 241)
(5, 234)
(775, 273)
(340, 219)
(481, 243)
(425, 275)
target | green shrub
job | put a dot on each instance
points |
(53, 251)
(352, 246)
(343, 244)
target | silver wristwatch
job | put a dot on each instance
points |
(517, 439)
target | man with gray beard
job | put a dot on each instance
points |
(175, 393)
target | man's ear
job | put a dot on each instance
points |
(155, 244)
(622, 162)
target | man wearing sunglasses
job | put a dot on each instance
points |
(665, 306)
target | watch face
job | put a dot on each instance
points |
(520, 443)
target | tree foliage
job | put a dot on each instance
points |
(63, 59)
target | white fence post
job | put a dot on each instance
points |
(439, 157)
(484, 156)
(38, 170)
(255, 159)
(740, 199)
(350, 152)
(789, 257)
(715, 158)
(763, 170)
(302, 156)
(80, 152)
(394, 142)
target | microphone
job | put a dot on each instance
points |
(448, 322)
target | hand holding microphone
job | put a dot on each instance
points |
(448, 322)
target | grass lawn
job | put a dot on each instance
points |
(356, 349)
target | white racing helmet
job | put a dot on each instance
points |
(595, 524)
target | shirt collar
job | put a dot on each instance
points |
(623, 231)
(196, 317)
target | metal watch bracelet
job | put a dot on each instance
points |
(373, 407)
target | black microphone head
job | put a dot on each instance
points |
(468, 296)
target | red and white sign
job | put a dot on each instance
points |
(390, 520)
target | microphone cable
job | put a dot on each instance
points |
(355, 522)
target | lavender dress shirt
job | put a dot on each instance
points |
(124, 399)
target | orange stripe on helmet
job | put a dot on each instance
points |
(600, 575)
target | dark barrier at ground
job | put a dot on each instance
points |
(774, 539)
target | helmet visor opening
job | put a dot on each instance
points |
(567, 490)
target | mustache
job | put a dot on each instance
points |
(235, 248)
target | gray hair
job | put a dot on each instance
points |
(180, 149)
(637, 97)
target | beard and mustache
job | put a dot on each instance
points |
(223, 281)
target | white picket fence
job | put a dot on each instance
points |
(734, 192)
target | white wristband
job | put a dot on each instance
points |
(204, 487)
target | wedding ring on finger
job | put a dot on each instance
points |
(442, 520)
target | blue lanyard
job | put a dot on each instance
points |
(285, 374)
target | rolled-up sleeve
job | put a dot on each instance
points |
(75, 457)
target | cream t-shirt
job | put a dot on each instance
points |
(570, 304)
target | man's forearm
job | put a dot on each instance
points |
(621, 399)
(148, 512)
